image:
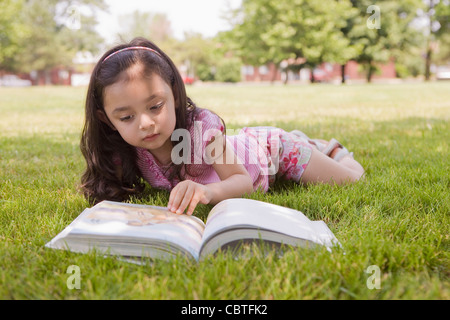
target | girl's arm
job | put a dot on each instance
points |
(235, 182)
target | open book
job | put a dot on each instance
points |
(134, 231)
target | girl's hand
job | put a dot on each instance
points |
(188, 193)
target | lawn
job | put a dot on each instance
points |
(396, 221)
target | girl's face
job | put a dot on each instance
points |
(142, 110)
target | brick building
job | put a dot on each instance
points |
(326, 72)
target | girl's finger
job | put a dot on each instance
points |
(186, 199)
(193, 204)
(177, 195)
(171, 197)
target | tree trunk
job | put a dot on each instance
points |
(428, 55)
(428, 64)
(343, 73)
(312, 78)
(370, 70)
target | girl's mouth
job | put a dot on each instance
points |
(151, 137)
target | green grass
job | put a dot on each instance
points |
(397, 219)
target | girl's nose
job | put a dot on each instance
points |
(146, 122)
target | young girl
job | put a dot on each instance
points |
(141, 126)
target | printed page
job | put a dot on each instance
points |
(136, 223)
(241, 213)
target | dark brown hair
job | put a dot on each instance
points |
(103, 147)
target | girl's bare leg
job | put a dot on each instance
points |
(323, 169)
(352, 164)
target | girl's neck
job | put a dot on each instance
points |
(162, 155)
(162, 160)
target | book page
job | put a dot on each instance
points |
(136, 223)
(247, 213)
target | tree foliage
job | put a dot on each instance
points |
(39, 35)
(442, 34)
(205, 58)
(12, 30)
(325, 31)
(274, 30)
(393, 38)
(48, 33)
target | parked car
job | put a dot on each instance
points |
(443, 73)
(188, 80)
(11, 80)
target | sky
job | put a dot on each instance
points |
(202, 16)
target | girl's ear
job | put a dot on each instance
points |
(104, 118)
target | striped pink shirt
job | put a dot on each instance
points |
(248, 150)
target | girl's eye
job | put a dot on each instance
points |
(157, 107)
(126, 118)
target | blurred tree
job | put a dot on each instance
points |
(203, 58)
(442, 32)
(351, 21)
(55, 31)
(196, 54)
(393, 37)
(229, 70)
(324, 31)
(275, 30)
(188, 54)
(430, 37)
(11, 31)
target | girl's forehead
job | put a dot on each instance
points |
(135, 71)
(134, 90)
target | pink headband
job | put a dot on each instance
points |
(131, 48)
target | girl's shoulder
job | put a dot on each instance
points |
(208, 119)
(204, 114)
